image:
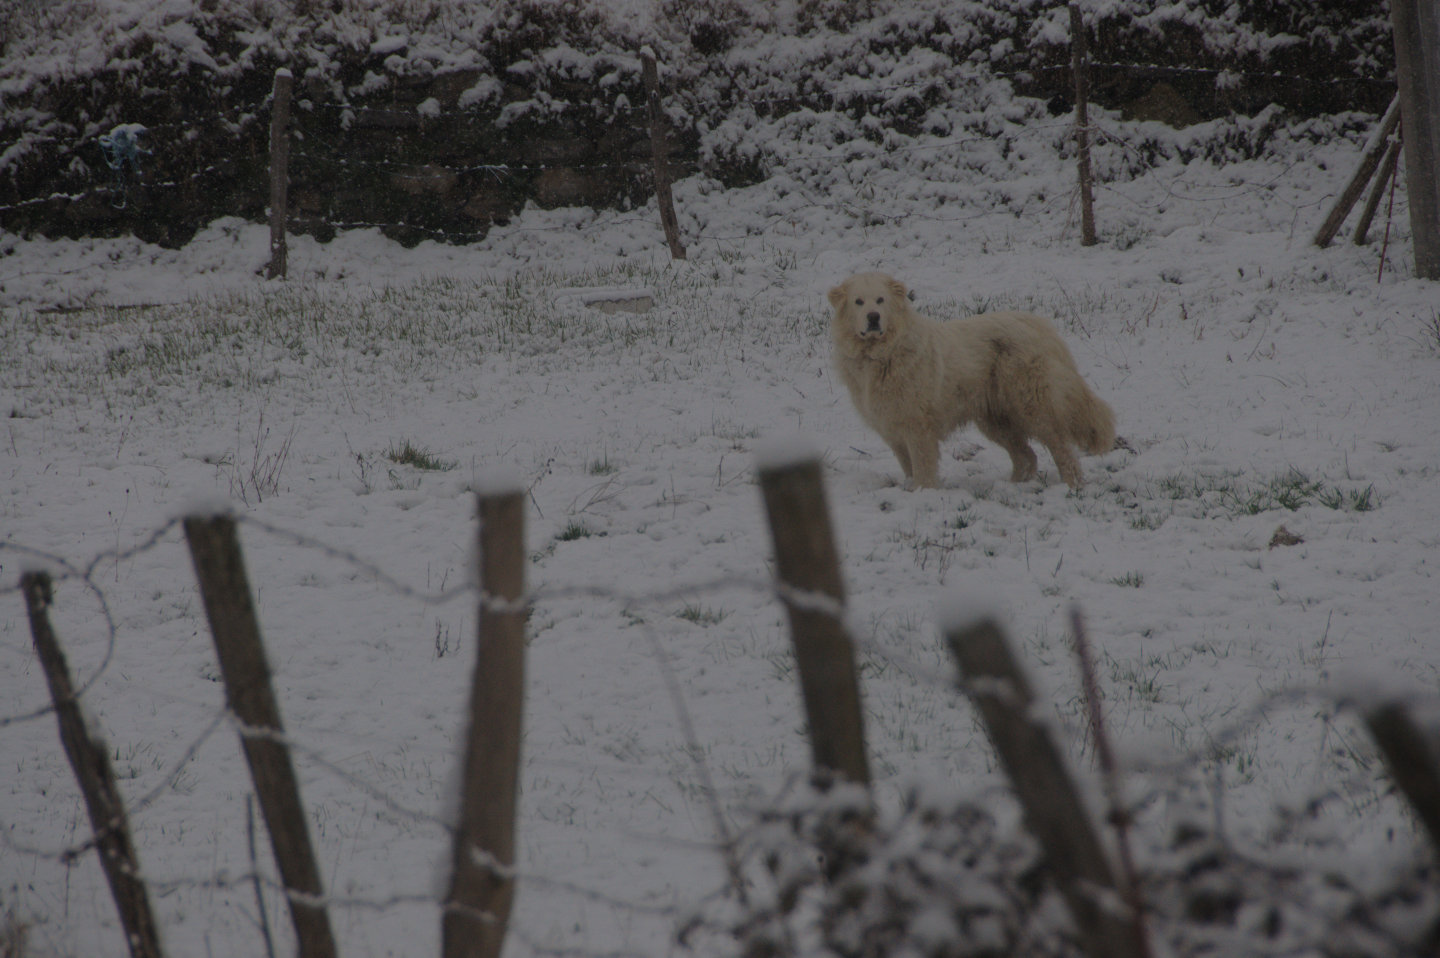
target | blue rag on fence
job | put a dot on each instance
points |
(121, 147)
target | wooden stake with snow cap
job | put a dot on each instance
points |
(482, 880)
(808, 568)
(90, 761)
(658, 154)
(279, 172)
(1080, 67)
(225, 590)
(1055, 811)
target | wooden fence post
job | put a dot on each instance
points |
(279, 172)
(482, 881)
(659, 157)
(814, 598)
(220, 569)
(1054, 808)
(1374, 152)
(91, 763)
(1412, 761)
(1080, 66)
(1416, 25)
(1388, 168)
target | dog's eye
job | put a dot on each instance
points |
(859, 301)
(879, 300)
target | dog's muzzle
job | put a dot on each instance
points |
(872, 324)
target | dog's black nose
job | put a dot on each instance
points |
(873, 319)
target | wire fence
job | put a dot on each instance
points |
(723, 842)
(336, 149)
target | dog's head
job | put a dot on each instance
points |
(870, 309)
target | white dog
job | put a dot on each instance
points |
(915, 381)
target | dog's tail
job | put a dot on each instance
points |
(1092, 421)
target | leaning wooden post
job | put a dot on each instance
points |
(220, 569)
(1054, 808)
(482, 879)
(1350, 195)
(91, 763)
(279, 172)
(1389, 167)
(1079, 65)
(659, 157)
(808, 568)
(1412, 760)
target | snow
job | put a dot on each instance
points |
(960, 610)
(786, 451)
(497, 482)
(1257, 381)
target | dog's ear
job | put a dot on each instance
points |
(837, 295)
(899, 288)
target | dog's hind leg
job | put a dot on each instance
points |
(1023, 463)
(1065, 459)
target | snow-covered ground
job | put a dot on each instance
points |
(1258, 382)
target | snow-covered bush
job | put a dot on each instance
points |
(827, 874)
(939, 877)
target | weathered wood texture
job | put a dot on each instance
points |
(279, 173)
(482, 881)
(1055, 809)
(91, 762)
(808, 567)
(225, 589)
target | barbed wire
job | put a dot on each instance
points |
(1237, 726)
(625, 599)
(497, 169)
(212, 170)
(1174, 69)
(1156, 773)
(832, 204)
(359, 110)
(825, 98)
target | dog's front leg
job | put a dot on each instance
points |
(925, 458)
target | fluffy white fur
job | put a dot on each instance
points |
(915, 381)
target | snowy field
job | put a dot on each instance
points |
(1258, 383)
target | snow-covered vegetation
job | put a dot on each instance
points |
(1254, 559)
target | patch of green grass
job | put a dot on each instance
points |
(702, 614)
(416, 332)
(575, 529)
(1233, 494)
(1142, 684)
(1133, 580)
(602, 466)
(1350, 500)
(409, 454)
(1243, 759)
(1289, 490)
(1196, 485)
